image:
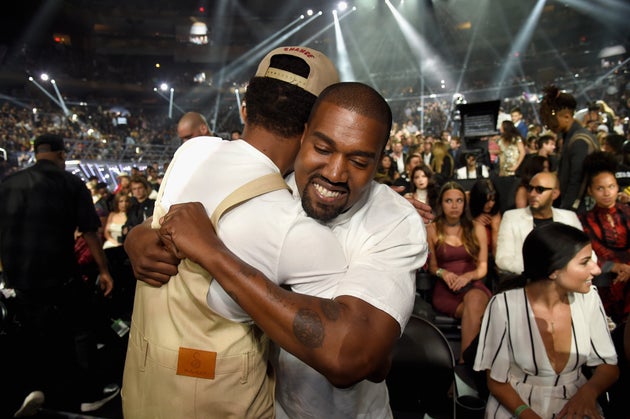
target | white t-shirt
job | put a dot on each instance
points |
(270, 232)
(382, 237)
(384, 240)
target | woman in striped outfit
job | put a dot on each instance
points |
(535, 339)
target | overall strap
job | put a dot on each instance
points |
(252, 189)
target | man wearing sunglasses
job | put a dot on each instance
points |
(516, 224)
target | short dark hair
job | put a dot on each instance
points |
(360, 98)
(276, 105)
(544, 139)
(141, 179)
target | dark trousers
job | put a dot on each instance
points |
(48, 345)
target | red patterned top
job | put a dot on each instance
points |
(609, 231)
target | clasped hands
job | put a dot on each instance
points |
(455, 282)
(185, 232)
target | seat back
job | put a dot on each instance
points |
(422, 372)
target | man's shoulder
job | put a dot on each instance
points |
(564, 215)
(388, 205)
(515, 213)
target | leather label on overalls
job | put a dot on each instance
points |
(196, 363)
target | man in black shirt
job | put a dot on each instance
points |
(41, 207)
(141, 205)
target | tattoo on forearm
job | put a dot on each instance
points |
(330, 309)
(308, 328)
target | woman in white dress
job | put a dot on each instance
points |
(115, 220)
(535, 339)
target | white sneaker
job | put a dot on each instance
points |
(109, 392)
(32, 403)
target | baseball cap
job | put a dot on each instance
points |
(321, 75)
(54, 143)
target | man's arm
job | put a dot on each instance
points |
(106, 283)
(345, 339)
(151, 261)
(577, 153)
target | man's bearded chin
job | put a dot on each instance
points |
(317, 211)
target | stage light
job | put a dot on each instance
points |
(198, 34)
(44, 77)
(309, 12)
(342, 6)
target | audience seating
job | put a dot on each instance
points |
(422, 373)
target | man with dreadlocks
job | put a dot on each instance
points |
(556, 112)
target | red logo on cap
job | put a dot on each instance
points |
(301, 51)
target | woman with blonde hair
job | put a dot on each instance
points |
(442, 164)
(512, 149)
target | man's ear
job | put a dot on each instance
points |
(243, 112)
(304, 133)
(555, 193)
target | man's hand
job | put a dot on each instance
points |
(186, 230)
(106, 283)
(151, 261)
(622, 270)
(484, 219)
(423, 209)
(398, 189)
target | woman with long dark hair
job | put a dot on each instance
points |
(536, 338)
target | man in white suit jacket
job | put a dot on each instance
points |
(516, 224)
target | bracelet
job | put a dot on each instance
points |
(520, 410)
(439, 272)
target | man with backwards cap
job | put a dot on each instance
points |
(344, 140)
(183, 359)
(41, 207)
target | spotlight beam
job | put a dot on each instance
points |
(604, 11)
(309, 40)
(523, 38)
(170, 104)
(168, 100)
(429, 61)
(481, 9)
(251, 57)
(345, 66)
(361, 59)
(238, 103)
(255, 51)
(61, 101)
(15, 101)
(601, 78)
(51, 97)
(287, 35)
